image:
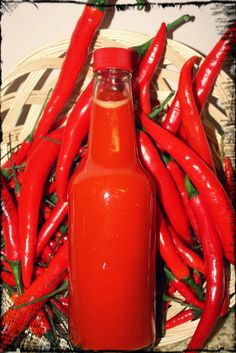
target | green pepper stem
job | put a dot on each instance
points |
(62, 287)
(192, 191)
(142, 48)
(178, 22)
(157, 110)
(16, 271)
(191, 283)
(166, 158)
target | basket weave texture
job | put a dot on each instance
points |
(25, 89)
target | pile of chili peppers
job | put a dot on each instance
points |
(195, 217)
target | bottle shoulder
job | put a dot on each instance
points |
(134, 177)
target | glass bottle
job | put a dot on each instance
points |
(111, 212)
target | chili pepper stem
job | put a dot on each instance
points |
(192, 191)
(16, 270)
(157, 110)
(190, 282)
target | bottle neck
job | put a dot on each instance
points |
(112, 136)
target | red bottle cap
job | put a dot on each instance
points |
(112, 58)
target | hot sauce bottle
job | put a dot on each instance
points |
(111, 213)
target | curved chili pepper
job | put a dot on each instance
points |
(50, 226)
(214, 262)
(204, 179)
(204, 79)
(36, 172)
(7, 277)
(229, 181)
(182, 317)
(179, 176)
(47, 282)
(189, 256)
(75, 131)
(198, 278)
(184, 290)
(145, 70)
(76, 55)
(170, 255)
(9, 218)
(190, 118)
(166, 188)
(59, 306)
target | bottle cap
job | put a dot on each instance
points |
(112, 58)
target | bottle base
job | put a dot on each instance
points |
(87, 350)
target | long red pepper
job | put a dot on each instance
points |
(204, 79)
(166, 189)
(190, 118)
(47, 282)
(182, 317)
(10, 224)
(76, 55)
(50, 226)
(143, 75)
(145, 70)
(169, 254)
(36, 172)
(179, 177)
(75, 132)
(204, 179)
(184, 290)
(214, 262)
(192, 259)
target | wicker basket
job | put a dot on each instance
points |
(25, 88)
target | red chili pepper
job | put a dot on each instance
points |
(204, 79)
(204, 179)
(178, 176)
(188, 255)
(190, 118)
(166, 189)
(9, 218)
(198, 278)
(182, 317)
(11, 326)
(229, 181)
(75, 131)
(7, 278)
(50, 226)
(143, 75)
(76, 55)
(171, 256)
(184, 290)
(60, 307)
(36, 172)
(214, 262)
